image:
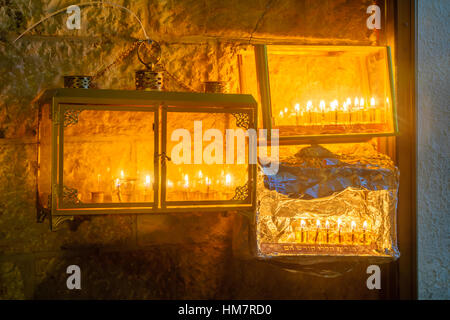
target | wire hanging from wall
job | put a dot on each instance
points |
(92, 3)
(268, 6)
(101, 71)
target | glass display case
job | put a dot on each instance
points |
(322, 93)
(111, 151)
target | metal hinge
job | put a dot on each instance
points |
(56, 117)
(55, 191)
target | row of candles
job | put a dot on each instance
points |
(350, 111)
(326, 235)
(202, 187)
(187, 188)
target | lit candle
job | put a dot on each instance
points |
(228, 183)
(385, 111)
(376, 111)
(228, 179)
(349, 106)
(208, 183)
(357, 113)
(297, 111)
(308, 109)
(333, 106)
(322, 111)
(186, 186)
(364, 231)
(147, 182)
(302, 225)
(169, 184)
(327, 226)
(347, 113)
(118, 189)
(122, 175)
(353, 225)
(339, 221)
(363, 113)
(317, 230)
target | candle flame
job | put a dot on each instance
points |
(387, 100)
(327, 224)
(349, 101)
(322, 105)
(345, 107)
(207, 181)
(356, 102)
(318, 223)
(147, 180)
(339, 221)
(122, 174)
(302, 223)
(285, 110)
(333, 105)
(365, 225)
(309, 105)
(117, 182)
(200, 174)
(361, 102)
(372, 101)
(228, 179)
(169, 183)
(297, 107)
(353, 224)
(186, 181)
(281, 113)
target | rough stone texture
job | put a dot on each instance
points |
(143, 257)
(433, 216)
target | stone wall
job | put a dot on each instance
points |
(145, 257)
(433, 217)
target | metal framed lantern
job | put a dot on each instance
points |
(322, 93)
(110, 152)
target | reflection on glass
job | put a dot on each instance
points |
(108, 156)
(203, 181)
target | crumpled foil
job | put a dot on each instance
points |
(317, 184)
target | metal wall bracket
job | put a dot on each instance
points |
(56, 221)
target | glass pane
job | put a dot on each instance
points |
(108, 157)
(212, 178)
(330, 90)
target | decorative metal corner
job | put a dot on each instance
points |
(70, 196)
(71, 117)
(242, 119)
(241, 193)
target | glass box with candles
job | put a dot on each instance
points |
(320, 93)
(116, 151)
(328, 200)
